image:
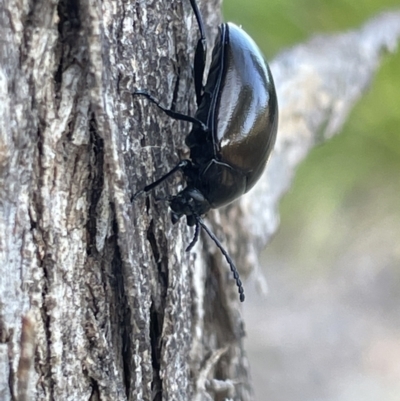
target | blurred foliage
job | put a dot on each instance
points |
(275, 24)
(352, 180)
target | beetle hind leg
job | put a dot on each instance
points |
(180, 166)
(200, 55)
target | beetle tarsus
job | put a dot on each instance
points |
(136, 195)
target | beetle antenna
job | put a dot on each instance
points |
(227, 257)
(195, 237)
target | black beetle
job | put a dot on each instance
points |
(233, 132)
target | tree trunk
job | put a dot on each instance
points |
(98, 298)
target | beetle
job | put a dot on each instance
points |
(233, 130)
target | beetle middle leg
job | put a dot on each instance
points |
(170, 113)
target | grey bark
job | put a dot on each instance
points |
(98, 298)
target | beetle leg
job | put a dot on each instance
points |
(227, 257)
(195, 237)
(181, 165)
(173, 114)
(200, 55)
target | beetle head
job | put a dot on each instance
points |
(190, 202)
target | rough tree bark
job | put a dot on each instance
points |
(98, 298)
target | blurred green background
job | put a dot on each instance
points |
(339, 237)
